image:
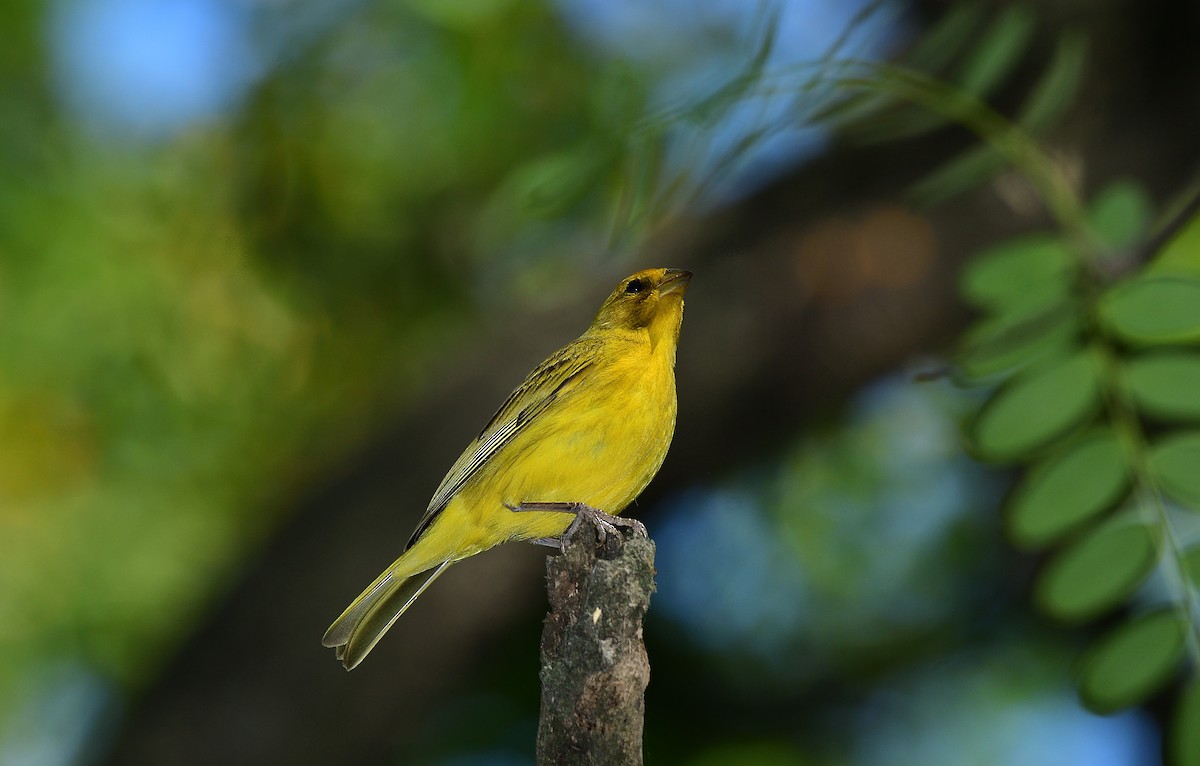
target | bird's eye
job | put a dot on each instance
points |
(635, 286)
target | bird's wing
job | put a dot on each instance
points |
(548, 381)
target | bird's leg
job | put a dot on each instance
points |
(604, 522)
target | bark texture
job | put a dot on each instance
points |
(594, 664)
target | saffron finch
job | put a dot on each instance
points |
(587, 430)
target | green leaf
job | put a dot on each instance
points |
(1031, 270)
(1009, 342)
(1058, 84)
(634, 202)
(1097, 571)
(1067, 489)
(1185, 727)
(735, 91)
(1154, 309)
(1119, 214)
(997, 53)
(956, 175)
(1037, 406)
(1132, 662)
(936, 47)
(1166, 384)
(1175, 461)
(1182, 253)
(553, 183)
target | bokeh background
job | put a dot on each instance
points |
(267, 265)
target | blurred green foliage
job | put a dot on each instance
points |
(190, 327)
(143, 358)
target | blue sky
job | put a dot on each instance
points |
(151, 67)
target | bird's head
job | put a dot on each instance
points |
(650, 300)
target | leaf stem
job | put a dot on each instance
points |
(1149, 498)
(1007, 138)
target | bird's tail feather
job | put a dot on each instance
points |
(365, 621)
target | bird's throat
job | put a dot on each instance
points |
(664, 329)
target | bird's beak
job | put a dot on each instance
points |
(674, 281)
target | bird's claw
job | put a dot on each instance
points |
(604, 523)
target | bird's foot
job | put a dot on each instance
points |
(605, 523)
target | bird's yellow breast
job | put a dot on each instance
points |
(601, 445)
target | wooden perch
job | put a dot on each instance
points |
(594, 665)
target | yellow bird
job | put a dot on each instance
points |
(588, 429)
